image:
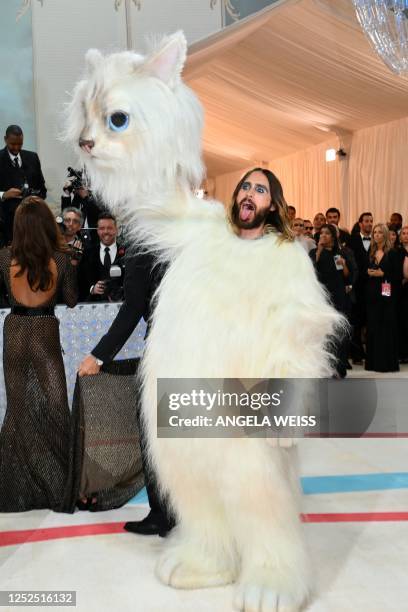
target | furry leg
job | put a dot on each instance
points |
(264, 515)
(200, 551)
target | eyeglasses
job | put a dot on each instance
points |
(309, 227)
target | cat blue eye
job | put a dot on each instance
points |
(118, 121)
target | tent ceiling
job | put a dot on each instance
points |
(267, 82)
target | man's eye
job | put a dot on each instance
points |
(246, 186)
(261, 189)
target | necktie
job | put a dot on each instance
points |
(15, 162)
(107, 260)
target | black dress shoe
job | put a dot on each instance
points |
(152, 524)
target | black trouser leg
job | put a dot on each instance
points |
(158, 505)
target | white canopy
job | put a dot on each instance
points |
(271, 81)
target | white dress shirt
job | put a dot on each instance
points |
(366, 243)
(113, 249)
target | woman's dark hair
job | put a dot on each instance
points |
(333, 232)
(394, 228)
(277, 219)
(36, 237)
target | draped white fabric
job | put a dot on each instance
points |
(269, 83)
(373, 177)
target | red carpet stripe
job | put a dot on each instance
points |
(13, 538)
(355, 517)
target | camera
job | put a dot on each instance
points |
(27, 191)
(78, 180)
(114, 284)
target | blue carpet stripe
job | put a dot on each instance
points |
(349, 483)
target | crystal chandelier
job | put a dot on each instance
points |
(385, 23)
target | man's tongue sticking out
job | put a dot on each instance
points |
(247, 209)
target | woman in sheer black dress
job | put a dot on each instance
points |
(34, 438)
(384, 278)
(333, 271)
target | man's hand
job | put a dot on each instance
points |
(12, 193)
(98, 288)
(88, 366)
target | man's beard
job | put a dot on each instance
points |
(258, 219)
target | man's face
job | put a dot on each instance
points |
(318, 221)
(366, 225)
(333, 218)
(308, 229)
(253, 202)
(107, 231)
(72, 224)
(82, 192)
(298, 227)
(14, 143)
(395, 220)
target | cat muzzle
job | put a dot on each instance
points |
(86, 145)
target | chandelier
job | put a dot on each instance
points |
(385, 23)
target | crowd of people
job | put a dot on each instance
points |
(365, 272)
(88, 230)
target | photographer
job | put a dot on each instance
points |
(76, 193)
(20, 176)
(102, 267)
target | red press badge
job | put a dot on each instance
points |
(386, 289)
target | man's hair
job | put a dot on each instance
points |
(364, 214)
(277, 219)
(306, 221)
(397, 215)
(76, 211)
(14, 130)
(333, 210)
(36, 238)
(106, 215)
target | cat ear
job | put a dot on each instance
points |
(166, 63)
(93, 59)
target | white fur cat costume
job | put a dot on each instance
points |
(227, 307)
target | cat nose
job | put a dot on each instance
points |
(87, 145)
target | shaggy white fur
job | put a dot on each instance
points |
(227, 307)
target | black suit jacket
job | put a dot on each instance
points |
(142, 278)
(91, 270)
(362, 258)
(29, 173)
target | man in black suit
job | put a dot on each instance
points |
(360, 245)
(333, 217)
(142, 278)
(19, 170)
(102, 266)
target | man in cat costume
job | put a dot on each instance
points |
(227, 307)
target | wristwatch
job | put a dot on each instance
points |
(98, 361)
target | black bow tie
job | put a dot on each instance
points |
(366, 238)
